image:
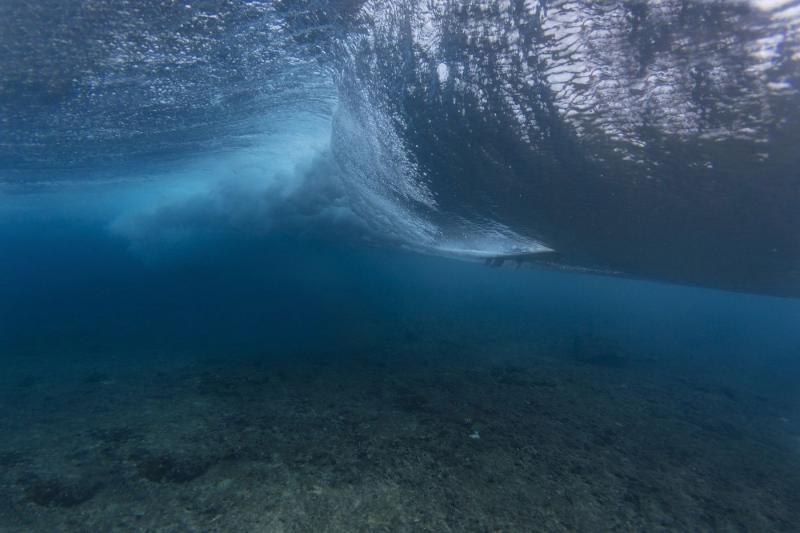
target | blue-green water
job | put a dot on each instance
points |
(399, 266)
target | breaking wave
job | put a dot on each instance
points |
(652, 138)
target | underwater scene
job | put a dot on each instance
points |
(399, 265)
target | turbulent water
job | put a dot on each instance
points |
(652, 139)
(244, 250)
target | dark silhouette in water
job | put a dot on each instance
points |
(522, 258)
(594, 350)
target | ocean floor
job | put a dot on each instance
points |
(425, 436)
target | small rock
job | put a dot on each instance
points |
(161, 468)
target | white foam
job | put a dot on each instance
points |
(443, 72)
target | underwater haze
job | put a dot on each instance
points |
(400, 265)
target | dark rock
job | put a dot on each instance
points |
(723, 430)
(117, 435)
(411, 402)
(604, 437)
(60, 492)
(167, 468)
(220, 387)
(597, 351)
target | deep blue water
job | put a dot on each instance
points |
(72, 286)
(399, 266)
